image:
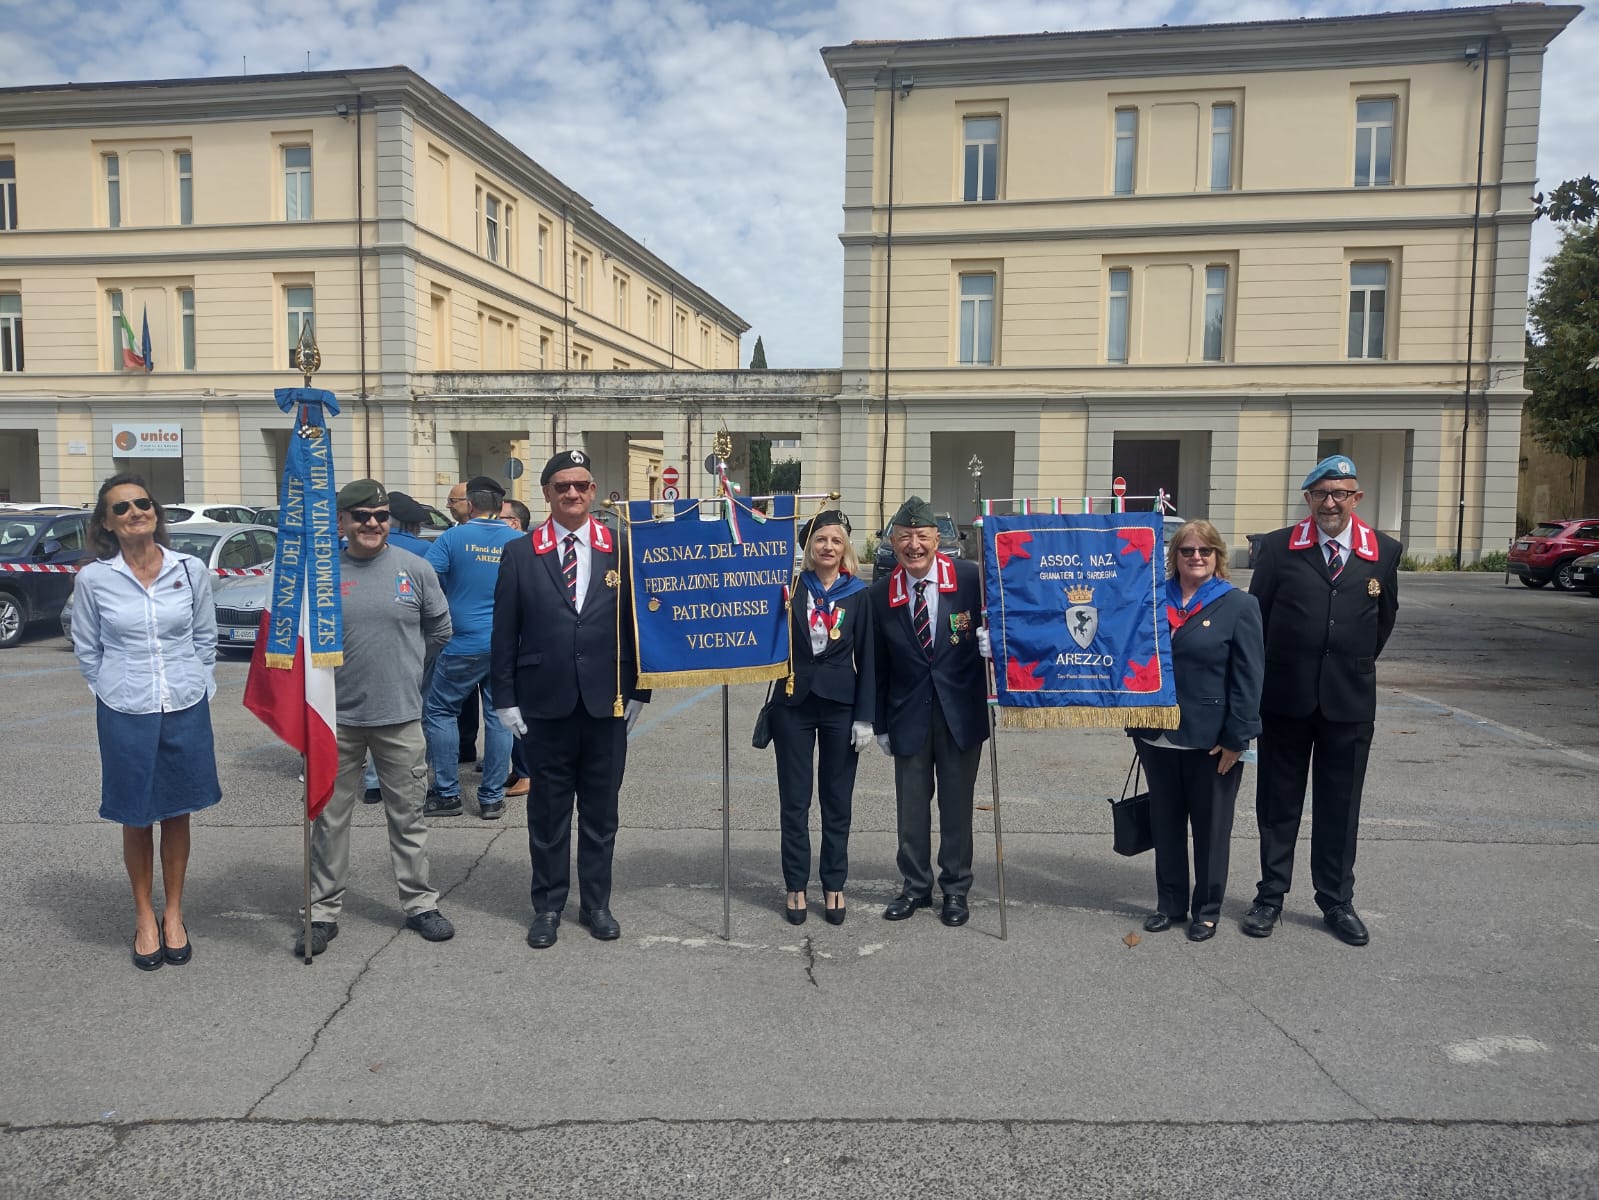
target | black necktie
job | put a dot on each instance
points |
(569, 565)
(1335, 560)
(921, 620)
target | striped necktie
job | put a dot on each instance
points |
(921, 620)
(569, 565)
(1335, 559)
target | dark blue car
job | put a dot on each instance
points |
(37, 537)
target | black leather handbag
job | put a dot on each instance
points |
(762, 737)
(1130, 815)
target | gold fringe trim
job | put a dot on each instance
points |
(333, 659)
(667, 679)
(284, 662)
(1087, 717)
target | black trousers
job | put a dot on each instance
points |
(814, 730)
(573, 757)
(943, 766)
(1333, 755)
(1186, 792)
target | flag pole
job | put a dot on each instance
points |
(305, 810)
(727, 823)
(993, 736)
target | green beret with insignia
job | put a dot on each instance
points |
(361, 493)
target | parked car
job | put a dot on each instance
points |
(1585, 573)
(950, 543)
(37, 537)
(1545, 553)
(217, 544)
(240, 600)
(202, 510)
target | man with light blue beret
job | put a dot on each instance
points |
(1328, 589)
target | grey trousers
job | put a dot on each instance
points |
(942, 763)
(400, 753)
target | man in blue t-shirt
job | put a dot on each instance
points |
(406, 525)
(467, 561)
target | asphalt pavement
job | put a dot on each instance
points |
(1455, 1056)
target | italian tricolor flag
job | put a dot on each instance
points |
(132, 360)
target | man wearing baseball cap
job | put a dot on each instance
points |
(395, 617)
(467, 559)
(1328, 589)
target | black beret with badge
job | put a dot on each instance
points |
(361, 493)
(831, 516)
(565, 460)
(406, 510)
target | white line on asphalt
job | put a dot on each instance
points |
(1531, 739)
(1486, 1049)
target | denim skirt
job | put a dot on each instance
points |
(156, 765)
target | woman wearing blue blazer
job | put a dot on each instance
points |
(827, 720)
(1218, 657)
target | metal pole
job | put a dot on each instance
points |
(727, 824)
(305, 809)
(993, 743)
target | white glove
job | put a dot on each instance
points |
(882, 744)
(630, 711)
(983, 647)
(860, 735)
(511, 718)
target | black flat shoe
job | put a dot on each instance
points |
(903, 905)
(1260, 919)
(1199, 931)
(178, 955)
(954, 913)
(1159, 922)
(1351, 930)
(542, 933)
(152, 961)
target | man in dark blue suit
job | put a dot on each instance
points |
(932, 707)
(1328, 589)
(560, 611)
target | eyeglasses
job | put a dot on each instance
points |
(573, 485)
(143, 504)
(1336, 495)
(1191, 551)
(454, 500)
(364, 516)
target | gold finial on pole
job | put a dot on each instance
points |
(307, 358)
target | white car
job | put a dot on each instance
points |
(231, 512)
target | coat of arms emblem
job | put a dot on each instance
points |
(1082, 618)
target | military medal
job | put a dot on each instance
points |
(958, 623)
(1373, 587)
(613, 579)
(834, 632)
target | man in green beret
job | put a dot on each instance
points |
(932, 707)
(395, 617)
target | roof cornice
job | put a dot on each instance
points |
(1315, 42)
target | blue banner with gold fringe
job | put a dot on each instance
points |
(711, 606)
(1076, 620)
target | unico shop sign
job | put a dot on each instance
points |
(147, 441)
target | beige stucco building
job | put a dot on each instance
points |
(1200, 258)
(227, 212)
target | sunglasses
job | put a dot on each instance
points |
(365, 516)
(1191, 551)
(143, 504)
(1336, 495)
(573, 486)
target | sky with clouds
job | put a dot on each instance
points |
(707, 129)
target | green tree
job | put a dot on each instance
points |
(1563, 348)
(761, 467)
(786, 476)
(1574, 200)
(758, 362)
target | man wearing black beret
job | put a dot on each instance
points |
(932, 707)
(565, 671)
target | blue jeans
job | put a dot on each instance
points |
(454, 677)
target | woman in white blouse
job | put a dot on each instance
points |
(145, 634)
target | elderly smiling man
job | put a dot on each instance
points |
(932, 713)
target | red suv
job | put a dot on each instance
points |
(1548, 550)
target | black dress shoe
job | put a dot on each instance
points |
(1159, 922)
(542, 932)
(600, 923)
(954, 911)
(178, 955)
(904, 904)
(151, 961)
(1200, 931)
(1351, 930)
(1260, 918)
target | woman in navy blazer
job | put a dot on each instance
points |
(828, 718)
(1218, 657)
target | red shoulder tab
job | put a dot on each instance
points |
(600, 537)
(1364, 538)
(544, 537)
(898, 593)
(1303, 536)
(945, 566)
